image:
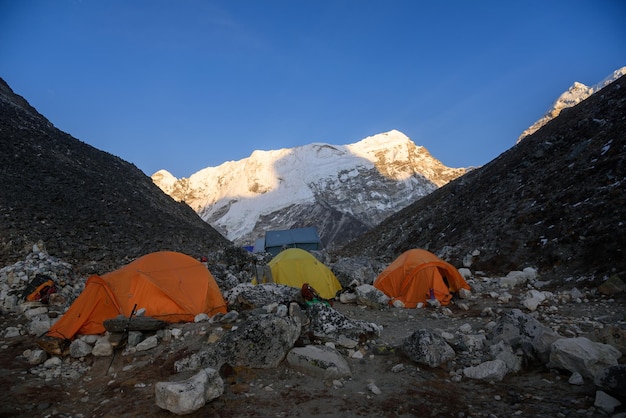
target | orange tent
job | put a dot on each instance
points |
(171, 286)
(414, 273)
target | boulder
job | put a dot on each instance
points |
(493, 370)
(186, 396)
(426, 347)
(583, 356)
(79, 348)
(321, 361)
(613, 380)
(614, 285)
(247, 296)
(329, 325)
(368, 295)
(606, 402)
(349, 269)
(520, 330)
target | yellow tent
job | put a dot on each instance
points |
(295, 267)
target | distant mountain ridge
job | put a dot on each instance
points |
(343, 190)
(574, 95)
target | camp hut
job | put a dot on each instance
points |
(170, 286)
(295, 267)
(304, 238)
(414, 273)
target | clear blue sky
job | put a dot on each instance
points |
(187, 84)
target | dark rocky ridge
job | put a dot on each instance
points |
(555, 201)
(89, 208)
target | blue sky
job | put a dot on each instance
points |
(187, 84)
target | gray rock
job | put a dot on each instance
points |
(606, 402)
(350, 269)
(504, 352)
(102, 348)
(150, 342)
(247, 296)
(134, 338)
(12, 332)
(583, 356)
(520, 330)
(321, 361)
(426, 347)
(79, 348)
(329, 325)
(186, 396)
(613, 380)
(39, 325)
(261, 341)
(490, 370)
(368, 295)
(37, 357)
(576, 379)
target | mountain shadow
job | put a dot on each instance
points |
(556, 201)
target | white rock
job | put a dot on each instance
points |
(102, 348)
(148, 343)
(187, 396)
(37, 357)
(489, 370)
(576, 379)
(374, 389)
(79, 348)
(606, 402)
(201, 317)
(583, 356)
(11, 332)
(319, 361)
(465, 328)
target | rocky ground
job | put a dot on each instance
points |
(384, 382)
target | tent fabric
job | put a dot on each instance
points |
(295, 267)
(170, 286)
(411, 276)
(304, 238)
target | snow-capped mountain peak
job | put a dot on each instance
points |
(343, 190)
(574, 95)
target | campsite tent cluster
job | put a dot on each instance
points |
(174, 287)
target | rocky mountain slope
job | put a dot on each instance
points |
(343, 190)
(574, 95)
(555, 201)
(88, 207)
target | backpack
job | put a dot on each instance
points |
(39, 289)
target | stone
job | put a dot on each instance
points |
(426, 347)
(328, 324)
(576, 379)
(79, 348)
(606, 402)
(493, 370)
(368, 295)
(614, 285)
(37, 357)
(583, 356)
(102, 348)
(612, 379)
(12, 332)
(148, 343)
(187, 396)
(321, 361)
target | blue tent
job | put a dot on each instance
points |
(304, 238)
